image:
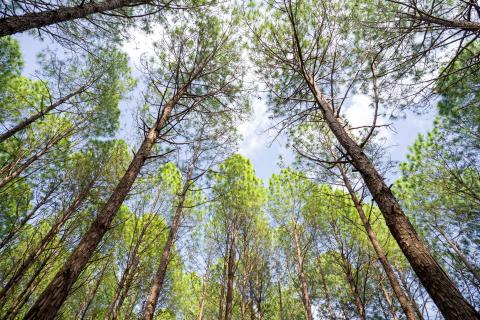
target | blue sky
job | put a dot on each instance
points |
(257, 144)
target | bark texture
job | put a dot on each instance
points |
(382, 257)
(12, 25)
(52, 298)
(440, 287)
(159, 278)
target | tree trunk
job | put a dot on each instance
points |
(230, 274)
(128, 283)
(91, 296)
(12, 232)
(252, 300)
(25, 123)
(409, 295)
(52, 298)
(353, 287)
(473, 270)
(382, 257)
(12, 25)
(307, 305)
(159, 278)
(201, 308)
(31, 286)
(280, 302)
(132, 262)
(222, 288)
(437, 283)
(12, 173)
(331, 314)
(27, 262)
(389, 301)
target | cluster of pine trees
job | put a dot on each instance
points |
(173, 224)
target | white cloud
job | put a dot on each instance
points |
(252, 131)
(360, 113)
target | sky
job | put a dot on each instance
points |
(257, 144)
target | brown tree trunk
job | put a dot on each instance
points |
(252, 300)
(12, 25)
(280, 301)
(382, 257)
(52, 298)
(437, 283)
(201, 308)
(409, 295)
(347, 267)
(30, 259)
(132, 262)
(307, 305)
(159, 278)
(243, 303)
(230, 274)
(31, 285)
(389, 301)
(25, 123)
(128, 283)
(222, 288)
(473, 270)
(91, 296)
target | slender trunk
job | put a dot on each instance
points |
(52, 298)
(30, 259)
(389, 301)
(409, 295)
(252, 295)
(12, 25)
(11, 233)
(382, 257)
(25, 123)
(353, 287)
(473, 270)
(30, 287)
(243, 303)
(126, 290)
(464, 25)
(159, 278)
(132, 262)
(327, 292)
(222, 288)
(230, 274)
(86, 305)
(307, 305)
(280, 302)
(437, 283)
(12, 173)
(201, 308)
